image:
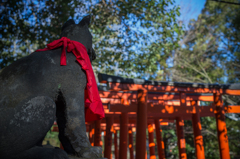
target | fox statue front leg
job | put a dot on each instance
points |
(71, 119)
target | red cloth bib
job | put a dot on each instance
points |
(93, 105)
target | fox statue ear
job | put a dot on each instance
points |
(68, 23)
(85, 21)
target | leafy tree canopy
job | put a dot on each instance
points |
(122, 31)
(209, 53)
(209, 50)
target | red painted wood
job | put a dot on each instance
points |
(130, 96)
(130, 142)
(91, 134)
(141, 124)
(61, 146)
(151, 141)
(151, 88)
(198, 139)
(97, 135)
(123, 144)
(115, 144)
(108, 138)
(221, 127)
(181, 139)
(160, 144)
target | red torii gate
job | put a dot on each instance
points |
(149, 103)
(137, 101)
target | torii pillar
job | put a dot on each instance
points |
(221, 127)
(180, 130)
(151, 141)
(123, 144)
(97, 135)
(141, 124)
(130, 142)
(91, 134)
(198, 139)
(160, 144)
(181, 139)
(115, 144)
(108, 138)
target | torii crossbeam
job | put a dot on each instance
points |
(143, 100)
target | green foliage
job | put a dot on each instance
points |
(209, 53)
(28, 25)
(138, 38)
(170, 141)
(51, 138)
(130, 37)
(228, 24)
(209, 50)
(233, 128)
(198, 58)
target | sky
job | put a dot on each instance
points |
(190, 9)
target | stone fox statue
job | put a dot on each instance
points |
(35, 90)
